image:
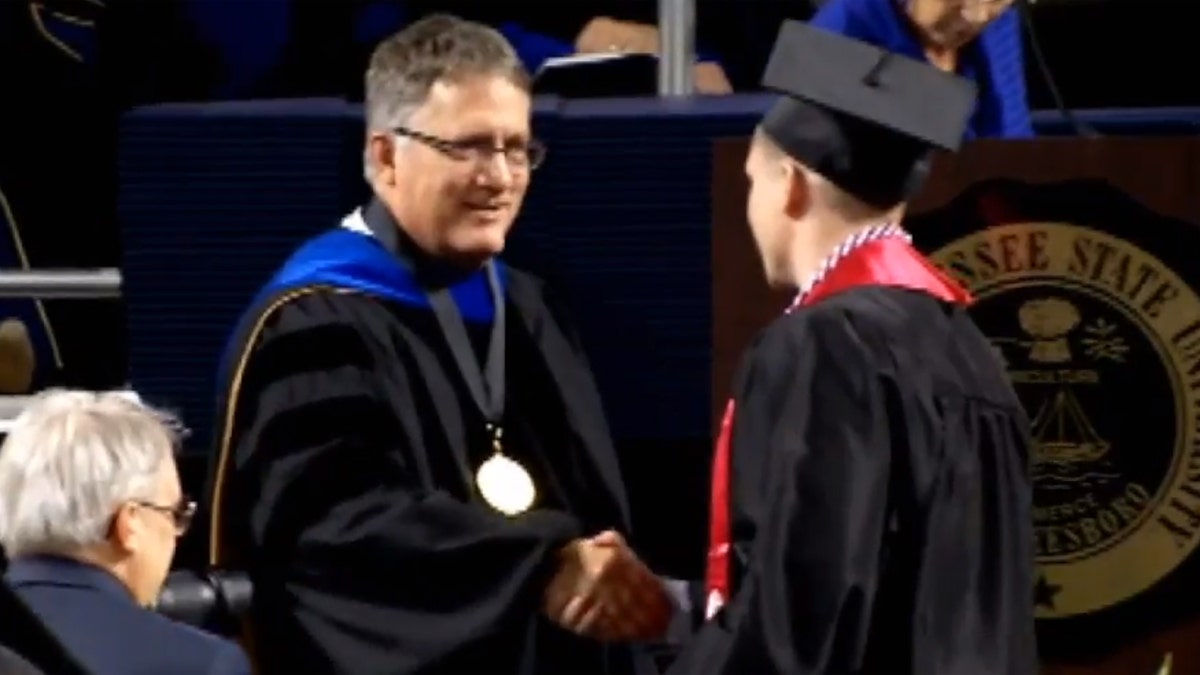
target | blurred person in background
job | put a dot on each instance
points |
(629, 27)
(90, 509)
(977, 39)
(538, 33)
(48, 63)
(299, 47)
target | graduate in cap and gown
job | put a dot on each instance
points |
(871, 507)
(413, 461)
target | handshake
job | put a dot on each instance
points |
(603, 591)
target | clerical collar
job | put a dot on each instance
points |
(872, 233)
(376, 220)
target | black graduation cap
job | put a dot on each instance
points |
(864, 118)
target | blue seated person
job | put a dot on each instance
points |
(978, 39)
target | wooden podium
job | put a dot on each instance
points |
(1082, 256)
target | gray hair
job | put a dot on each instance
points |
(70, 460)
(406, 66)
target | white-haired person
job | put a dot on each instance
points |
(90, 510)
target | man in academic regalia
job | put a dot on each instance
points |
(414, 465)
(871, 491)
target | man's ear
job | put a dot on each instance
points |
(799, 191)
(125, 532)
(381, 153)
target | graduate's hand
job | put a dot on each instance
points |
(602, 590)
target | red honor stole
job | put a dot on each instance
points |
(888, 261)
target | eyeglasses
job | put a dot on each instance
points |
(181, 514)
(521, 155)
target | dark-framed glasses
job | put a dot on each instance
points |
(181, 513)
(527, 154)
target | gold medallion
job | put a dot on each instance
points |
(504, 483)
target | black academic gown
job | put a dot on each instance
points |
(881, 500)
(349, 490)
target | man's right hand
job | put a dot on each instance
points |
(604, 591)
